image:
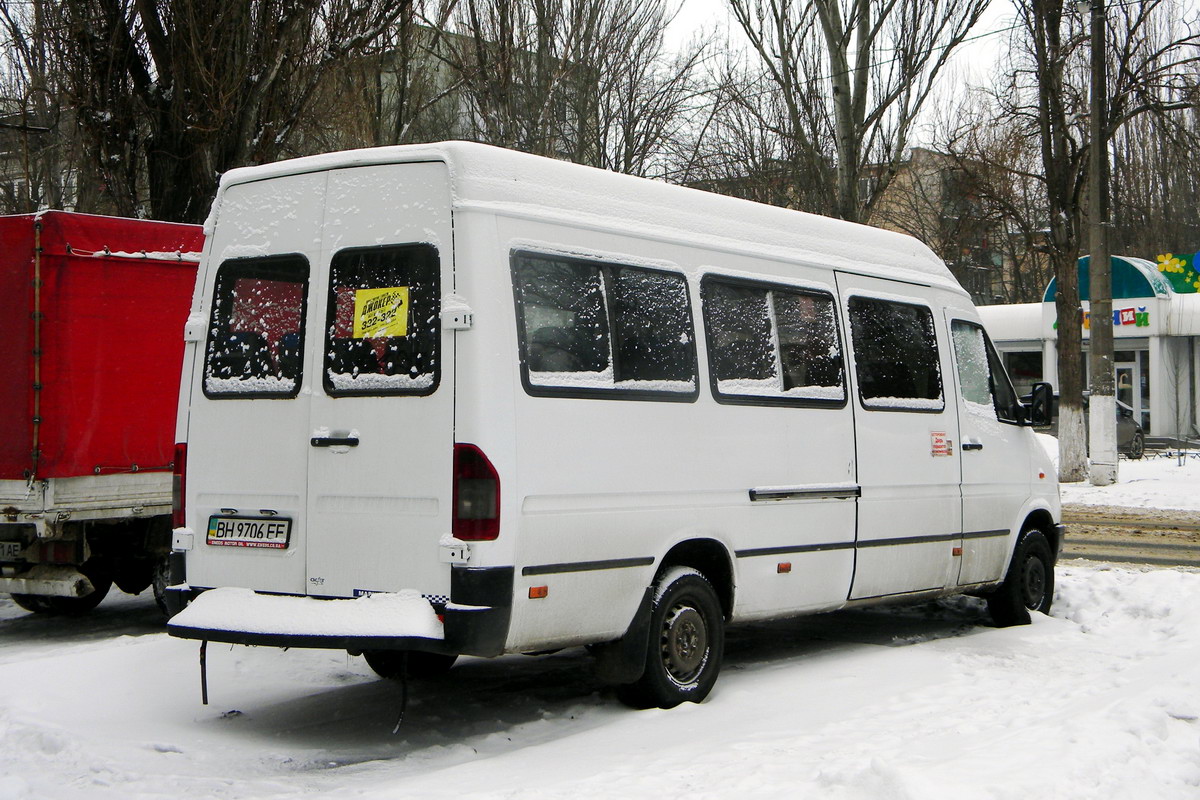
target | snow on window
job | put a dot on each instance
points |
(895, 354)
(383, 327)
(771, 342)
(971, 358)
(986, 389)
(255, 343)
(593, 326)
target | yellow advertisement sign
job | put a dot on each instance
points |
(381, 312)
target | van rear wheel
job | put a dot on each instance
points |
(1029, 585)
(687, 642)
(391, 663)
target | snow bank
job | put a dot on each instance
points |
(1157, 481)
(925, 702)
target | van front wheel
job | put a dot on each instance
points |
(687, 641)
(1029, 585)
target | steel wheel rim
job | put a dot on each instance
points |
(684, 644)
(1033, 582)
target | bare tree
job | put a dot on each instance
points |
(1040, 99)
(1155, 191)
(865, 67)
(1001, 165)
(585, 80)
(36, 135)
(168, 95)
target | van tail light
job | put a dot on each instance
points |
(476, 495)
(178, 484)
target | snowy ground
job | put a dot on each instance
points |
(1099, 700)
(1155, 482)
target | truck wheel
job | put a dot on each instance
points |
(1029, 585)
(687, 641)
(160, 582)
(65, 606)
(421, 665)
(31, 602)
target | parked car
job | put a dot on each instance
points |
(1131, 439)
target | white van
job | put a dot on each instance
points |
(450, 399)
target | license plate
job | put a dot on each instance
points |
(269, 532)
(10, 551)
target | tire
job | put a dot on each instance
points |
(32, 602)
(423, 666)
(1029, 585)
(160, 582)
(1137, 447)
(686, 643)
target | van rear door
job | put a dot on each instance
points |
(248, 420)
(320, 457)
(380, 452)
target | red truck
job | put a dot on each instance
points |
(92, 311)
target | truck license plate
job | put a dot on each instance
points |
(10, 551)
(269, 532)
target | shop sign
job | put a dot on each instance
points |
(1138, 317)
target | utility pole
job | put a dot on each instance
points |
(1102, 405)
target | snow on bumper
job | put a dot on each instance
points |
(241, 616)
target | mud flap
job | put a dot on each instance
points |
(624, 660)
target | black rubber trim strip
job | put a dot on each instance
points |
(587, 566)
(847, 493)
(984, 534)
(800, 548)
(814, 548)
(939, 537)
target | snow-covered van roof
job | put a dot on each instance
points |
(510, 182)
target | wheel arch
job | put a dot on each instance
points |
(1042, 520)
(711, 559)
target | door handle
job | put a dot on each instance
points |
(334, 441)
(972, 445)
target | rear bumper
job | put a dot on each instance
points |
(475, 622)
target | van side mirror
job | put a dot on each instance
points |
(1041, 405)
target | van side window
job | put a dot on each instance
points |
(970, 356)
(895, 355)
(592, 329)
(1008, 405)
(653, 327)
(986, 388)
(772, 344)
(383, 322)
(255, 342)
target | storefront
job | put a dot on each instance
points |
(1156, 323)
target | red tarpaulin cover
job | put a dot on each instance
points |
(111, 342)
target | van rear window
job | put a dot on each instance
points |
(594, 329)
(895, 355)
(772, 344)
(256, 334)
(383, 325)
